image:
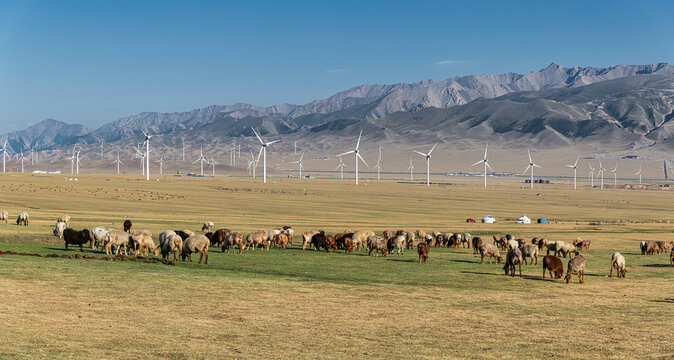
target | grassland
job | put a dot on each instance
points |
(308, 304)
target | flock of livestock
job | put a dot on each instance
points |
(186, 242)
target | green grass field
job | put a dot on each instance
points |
(308, 304)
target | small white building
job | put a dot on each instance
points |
(523, 220)
(488, 219)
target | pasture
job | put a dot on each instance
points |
(310, 304)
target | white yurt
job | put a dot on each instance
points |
(488, 219)
(523, 220)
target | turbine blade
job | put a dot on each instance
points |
(492, 170)
(258, 136)
(525, 170)
(359, 136)
(485, 151)
(420, 153)
(346, 153)
(478, 162)
(436, 144)
(259, 154)
(537, 166)
(271, 142)
(576, 163)
(361, 158)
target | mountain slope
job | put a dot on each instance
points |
(44, 135)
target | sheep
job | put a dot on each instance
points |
(75, 237)
(360, 238)
(4, 216)
(64, 219)
(513, 244)
(652, 247)
(514, 257)
(377, 244)
(170, 242)
(421, 234)
(341, 238)
(438, 240)
(671, 257)
(321, 240)
(195, 243)
(477, 241)
(258, 238)
(521, 242)
(232, 239)
(22, 219)
(491, 251)
(397, 242)
(58, 229)
(142, 239)
(348, 245)
(118, 239)
(642, 246)
(617, 263)
(283, 239)
(581, 244)
(423, 250)
(218, 237)
(465, 239)
(430, 240)
(184, 234)
(541, 243)
(500, 241)
(306, 238)
(387, 234)
(553, 264)
(289, 231)
(410, 240)
(664, 246)
(565, 248)
(576, 266)
(99, 236)
(207, 227)
(529, 251)
(127, 225)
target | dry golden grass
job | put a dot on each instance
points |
(295, 304)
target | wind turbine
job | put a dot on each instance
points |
(591, 175)
(411, 169)
(21, 158)
(357, 156)
(147, 155)
(254, 163)
(77, 160)
(4, 155)
(102, 143)
(601, 172)
(118, 161)
(161, 163)
(141, 155)
(532, 166)
(299, 162)
(201, 160)
(428, 164)
(212, 163)
(72, 162)
(263, 152)
(615, 175)
(378, 166)
(341, 168)
(639, 173)
(486, 165)
(574, 167)
(183, 149)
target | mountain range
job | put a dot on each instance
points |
(625, 107)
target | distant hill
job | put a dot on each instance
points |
(45, 135)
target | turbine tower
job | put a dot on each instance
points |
(77, 161)
(601, 172)
(201, 159)
(428, 164)
(574, 167)
(486, 165)
(532, 166)
(4, 155)
(300, 163)
(161, 163)
(341, 168)
(21, 158)
(183, 149)
(615, 175)
(378, 166)
(591, 175)
(357, 156)
(141, 155)
(252, 158)
(212, 163)
(147, 155)
(639, 173)
(72, 162)
(411, 169)
(263, 152)
(118, 161)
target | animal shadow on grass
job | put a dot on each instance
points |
(403, 260)
(72, 248)
(464, 261)
(480, 273)
(666, 301)
(657, 265)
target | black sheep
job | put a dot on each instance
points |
(76, 237)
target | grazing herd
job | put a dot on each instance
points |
(183, 243)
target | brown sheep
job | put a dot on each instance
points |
(142, 239)
(553, 264)
(377, 244)
(671, 257)
(196, 243)
(421, 234)
(219, 236)
(119, 239)
(542, 243)
(514, 257)
(477, 241)
(387, 234)
(521, 242)
(360, 238)
(500, 241)
(410, 240)
(652, 248)
(491, 251)
(258, 238)
(348, 245)
(341, 238)
(576, 266)
(664, 246)
(232, 239)
(282, 240)
(423, 250)
(582, 244)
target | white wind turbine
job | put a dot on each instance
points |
(574, 167)
(532, 166)
(102, 143)
(4, 155)
(212, 163)
(357, 156)
(118, 161)
(32, 156)
(341, 168)
(253, 163)
(639, 173)
(161, 163)
(263, 152)
(77, 160)
(201, 159)
(591, 175)
(615, 175)
(141, 155)
(183, 149)
(147, 155)
(601, 172)
(486, 165)
(300, 163)
(411, 169)
(428, 164)
(72, 162)
(378, 166)
(21, 158)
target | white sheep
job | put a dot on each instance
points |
(618, 263)
(195, 243)
(65, 219)
(58, 229)
(142, 239)
(170, 242)
(99, 236)
(117, 238)
(207, 227)
(529, 251)
(513, 244)
(22, 219)
(4, 216)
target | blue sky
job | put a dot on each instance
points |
(91, 62)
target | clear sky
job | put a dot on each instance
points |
(92, 61)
